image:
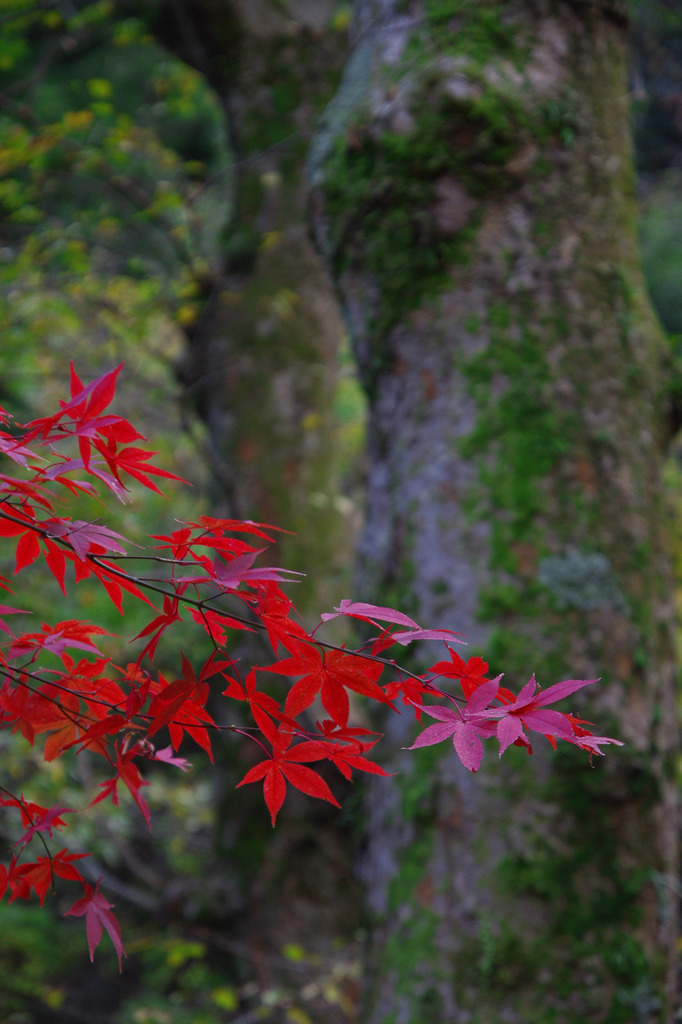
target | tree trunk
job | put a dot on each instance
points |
(262, 359)
(473, 194)
(261, 368)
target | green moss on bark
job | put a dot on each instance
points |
(401, 196)
(561, 367)
(410, 951)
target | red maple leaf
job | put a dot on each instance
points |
(85, 537)
(464, 725)
(180, 706)
(274, 608)
(70, 633)
(411, 691)
(347, 756)
(38, 874)
(215, 624)
(158, 625)
(133, 461)
(284, 766)
(263, 706)
(126, 772)
(98, 915)
(529, 710)
(59, 714)
(371, 612)
(471, 673)
(329, 673)
(238, 570)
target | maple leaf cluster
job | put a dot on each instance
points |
(59, 689)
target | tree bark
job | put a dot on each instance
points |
(473, 195)
(262, 359)
(261, 369)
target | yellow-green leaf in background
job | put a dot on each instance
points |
(225, 998)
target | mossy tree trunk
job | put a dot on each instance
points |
(261, 369)
(473, 194)
(262, 359)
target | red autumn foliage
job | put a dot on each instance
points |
(206, 569)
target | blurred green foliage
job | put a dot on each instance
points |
(661, 248)
(113, 182)
(114, 178)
